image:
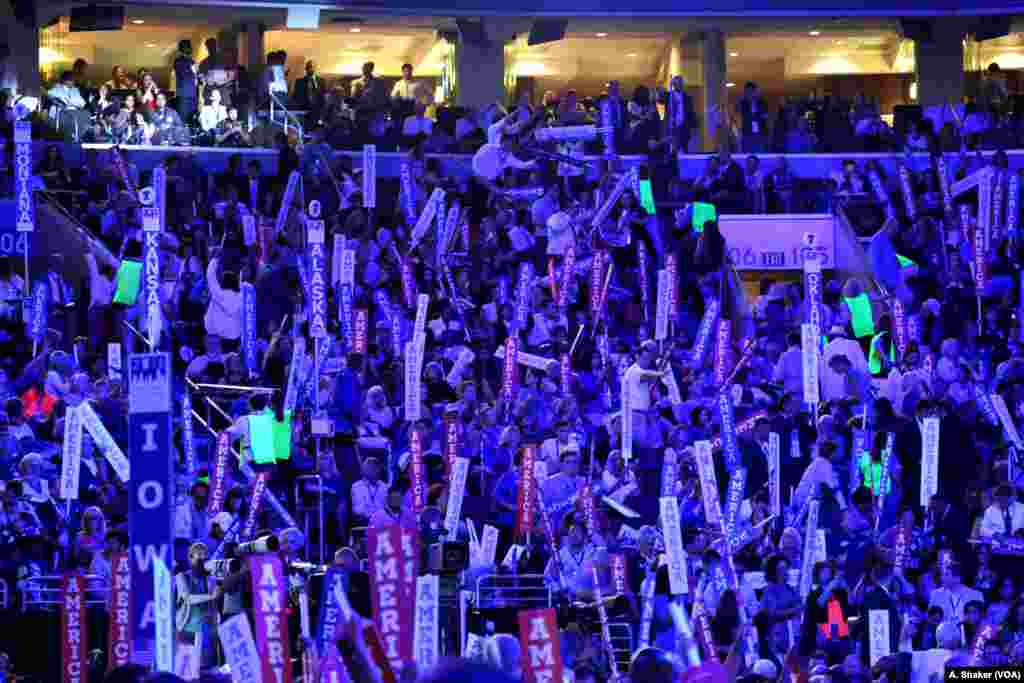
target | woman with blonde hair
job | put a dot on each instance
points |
(93, 534)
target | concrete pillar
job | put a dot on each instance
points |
(23, 42)
(939, 63)
(251, 48)
(480, 70)
(716, 118)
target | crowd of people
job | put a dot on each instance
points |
(216, 102)
(566, 264)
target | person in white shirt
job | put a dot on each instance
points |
(855, 384)
(789, 371)
(820, 472)
(369, 494)
(562, 575)
(953, 596)
(66, 92)
(551, 450)
(407, 89)
(638, 378)
(191, 522)
(1005, 517)
(224, 314)
(418, 123)
(925, 665)
(832, 384)
(101, 281)
(213, 114)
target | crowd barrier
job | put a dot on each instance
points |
(215, 159)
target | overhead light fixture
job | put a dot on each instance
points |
(601, 35)
(138, 21)
(631, 54)
(730, 84)
(355, 29)
(814, 33)
(150, 44)
(734, 54)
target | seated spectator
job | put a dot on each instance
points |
(120, 80)
(148, 90)
(231, 132)
(801, 140)
(418, 124)
(168, 128)
(212, 114)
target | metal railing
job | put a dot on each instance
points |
(243, 467)
(317, 486)
(512, 590)
(621, 635)
(287, 116)
(44, 592)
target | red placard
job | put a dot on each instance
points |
(553, 277)
(527, 498)
(568, 274)
(597, 280)
(510, 374)
(266, 240)
(392, 610)
(418, 472)
(702, 626)
(451, 449)
(74, 634)
(410, 570)
(541, 647)
(360, 324)
(375, 647)
(119, 635)
(723, 347)
(270, 603)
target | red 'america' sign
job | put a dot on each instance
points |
(539, 641)
(73, 631)
(119, 637)
(527, 499)
(392, 612)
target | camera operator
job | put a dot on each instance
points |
(196, 618)
(237, 582)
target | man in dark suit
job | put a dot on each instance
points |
(309, 91)
(680, 119)
(753, 112)
(186, 87)
(257, 188)
(728, 189)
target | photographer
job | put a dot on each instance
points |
(196, 617)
